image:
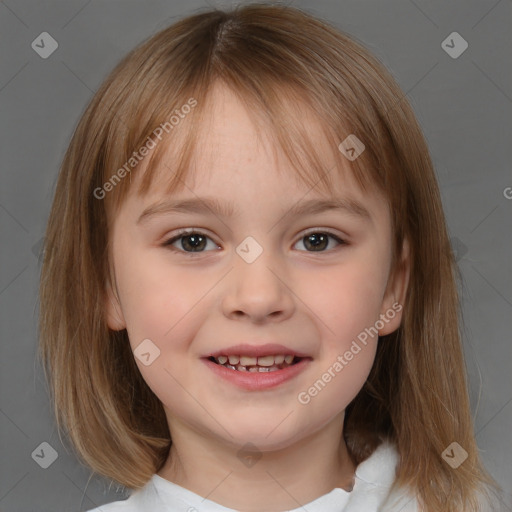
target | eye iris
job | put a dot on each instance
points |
(194, 242)
(317, 241)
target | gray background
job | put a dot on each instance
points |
(464, 106)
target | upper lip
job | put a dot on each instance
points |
(260, 350)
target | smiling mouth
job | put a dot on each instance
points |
(270, 363)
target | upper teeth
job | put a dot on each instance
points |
(253, 361)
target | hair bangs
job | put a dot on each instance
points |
(286, 105)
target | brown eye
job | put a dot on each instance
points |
(318, 241)
(189, 242)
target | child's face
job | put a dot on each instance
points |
(193, 304)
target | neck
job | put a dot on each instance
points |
(271, 480)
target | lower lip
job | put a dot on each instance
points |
(257, 381)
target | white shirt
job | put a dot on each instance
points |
(373, 479)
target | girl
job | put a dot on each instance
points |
(248, 297)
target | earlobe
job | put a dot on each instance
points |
(394, 298)
(113, 311)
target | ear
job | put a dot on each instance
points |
(113, 311)
(396, 290)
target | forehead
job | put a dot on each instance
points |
(238, 141)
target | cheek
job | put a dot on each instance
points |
(163, 304)
(339, 382)
(346, 299)
(347, 302)
(159, 300)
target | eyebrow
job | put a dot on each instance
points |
(208, 205)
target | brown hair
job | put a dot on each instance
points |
(271, 56)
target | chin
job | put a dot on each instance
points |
(269, 435)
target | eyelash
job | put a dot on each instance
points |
(188, 232)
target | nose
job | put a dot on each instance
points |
(258, 292)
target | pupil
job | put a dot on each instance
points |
(193, 242)
(317, 241)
